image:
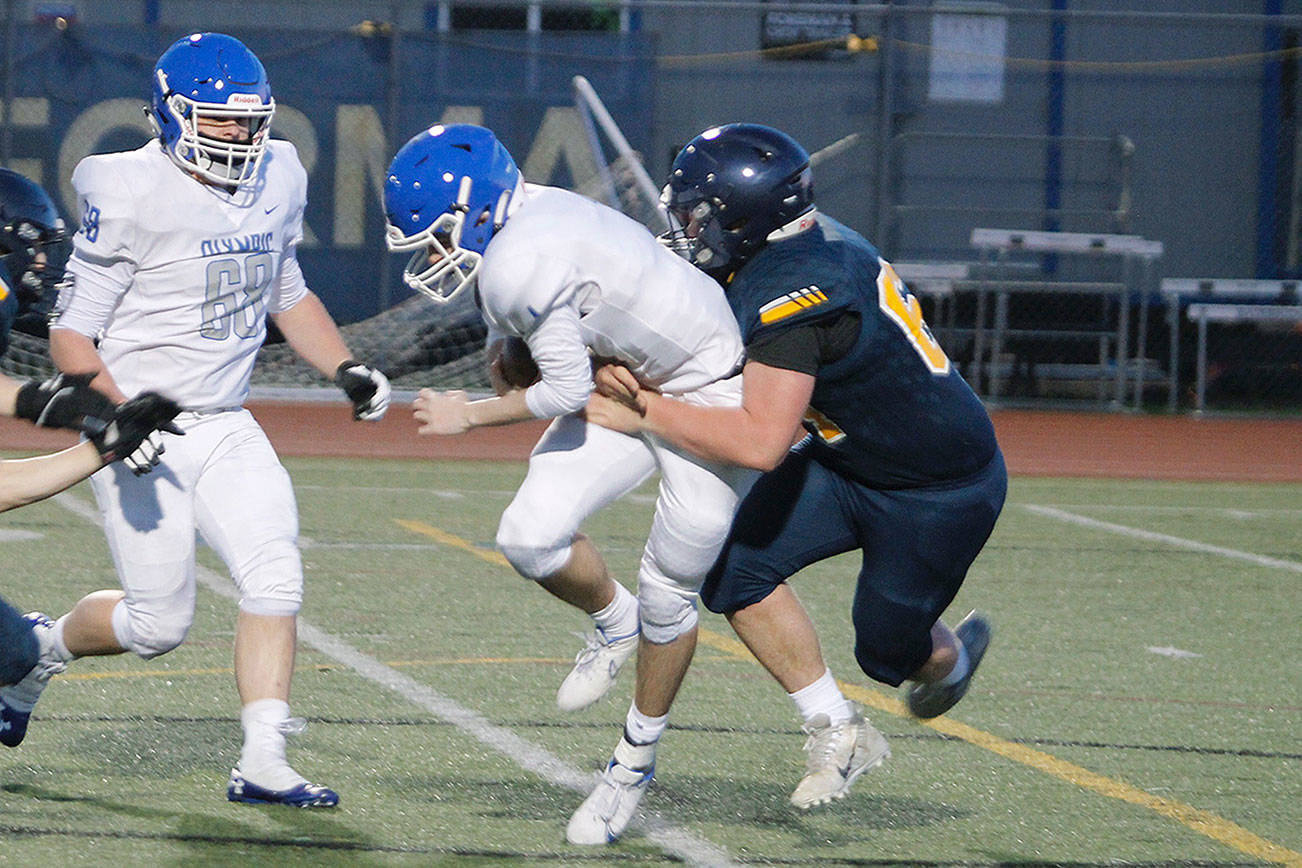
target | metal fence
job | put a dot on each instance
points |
(1175, 125)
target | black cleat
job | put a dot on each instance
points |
(932, 700)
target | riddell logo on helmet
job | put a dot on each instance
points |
(248, 99)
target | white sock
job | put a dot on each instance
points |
(960, 670)
(641, 728)
(262, 759)
(822, 697)
(620, 618)
(56, 641)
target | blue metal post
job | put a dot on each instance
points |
(1268, 158)
(1054, 113)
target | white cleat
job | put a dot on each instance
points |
(606, 812)
(837, 755)
(595, 669)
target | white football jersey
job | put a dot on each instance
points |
(175, 277)
(637, 301)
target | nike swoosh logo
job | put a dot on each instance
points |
(534, 312)
(269, 210)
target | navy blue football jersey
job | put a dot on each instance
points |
(892, 412)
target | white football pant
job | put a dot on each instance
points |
(223, 479)
(578, 468)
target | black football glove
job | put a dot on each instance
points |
(64, 401)
(366, 387)
(132, 434)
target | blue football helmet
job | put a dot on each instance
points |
(214, 78)
(731, 188)
(32, 248)
(447, 193)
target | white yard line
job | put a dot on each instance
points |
(1233, 512)
(669, 837)
(442, 493)
(306, 544)
(1167, 539)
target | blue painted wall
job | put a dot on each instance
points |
(80, 92)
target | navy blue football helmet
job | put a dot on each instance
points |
(211, 77)
(731, 188)
(447, 193)
(32, 248)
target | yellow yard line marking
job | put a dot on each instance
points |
(1203, 822)
(434, 533)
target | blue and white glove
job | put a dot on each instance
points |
(366, 387)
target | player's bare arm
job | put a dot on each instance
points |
(73, 352)
(8, 395)
(120, 434)
(454, 412)
(311, 332)
(511, 370)
(26, 480)
(757, 434)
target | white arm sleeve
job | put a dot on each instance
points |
(558, 349)
(88, 299)
(102, 264)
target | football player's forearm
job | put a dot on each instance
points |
(9, 395)
(26, 480)
(74, 353)
(501, 410)
(311, 333)
(729, 435)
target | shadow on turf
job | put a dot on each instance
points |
(685, 798)
(222, 824)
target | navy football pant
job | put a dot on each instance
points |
(917, 546)
(18, 647)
